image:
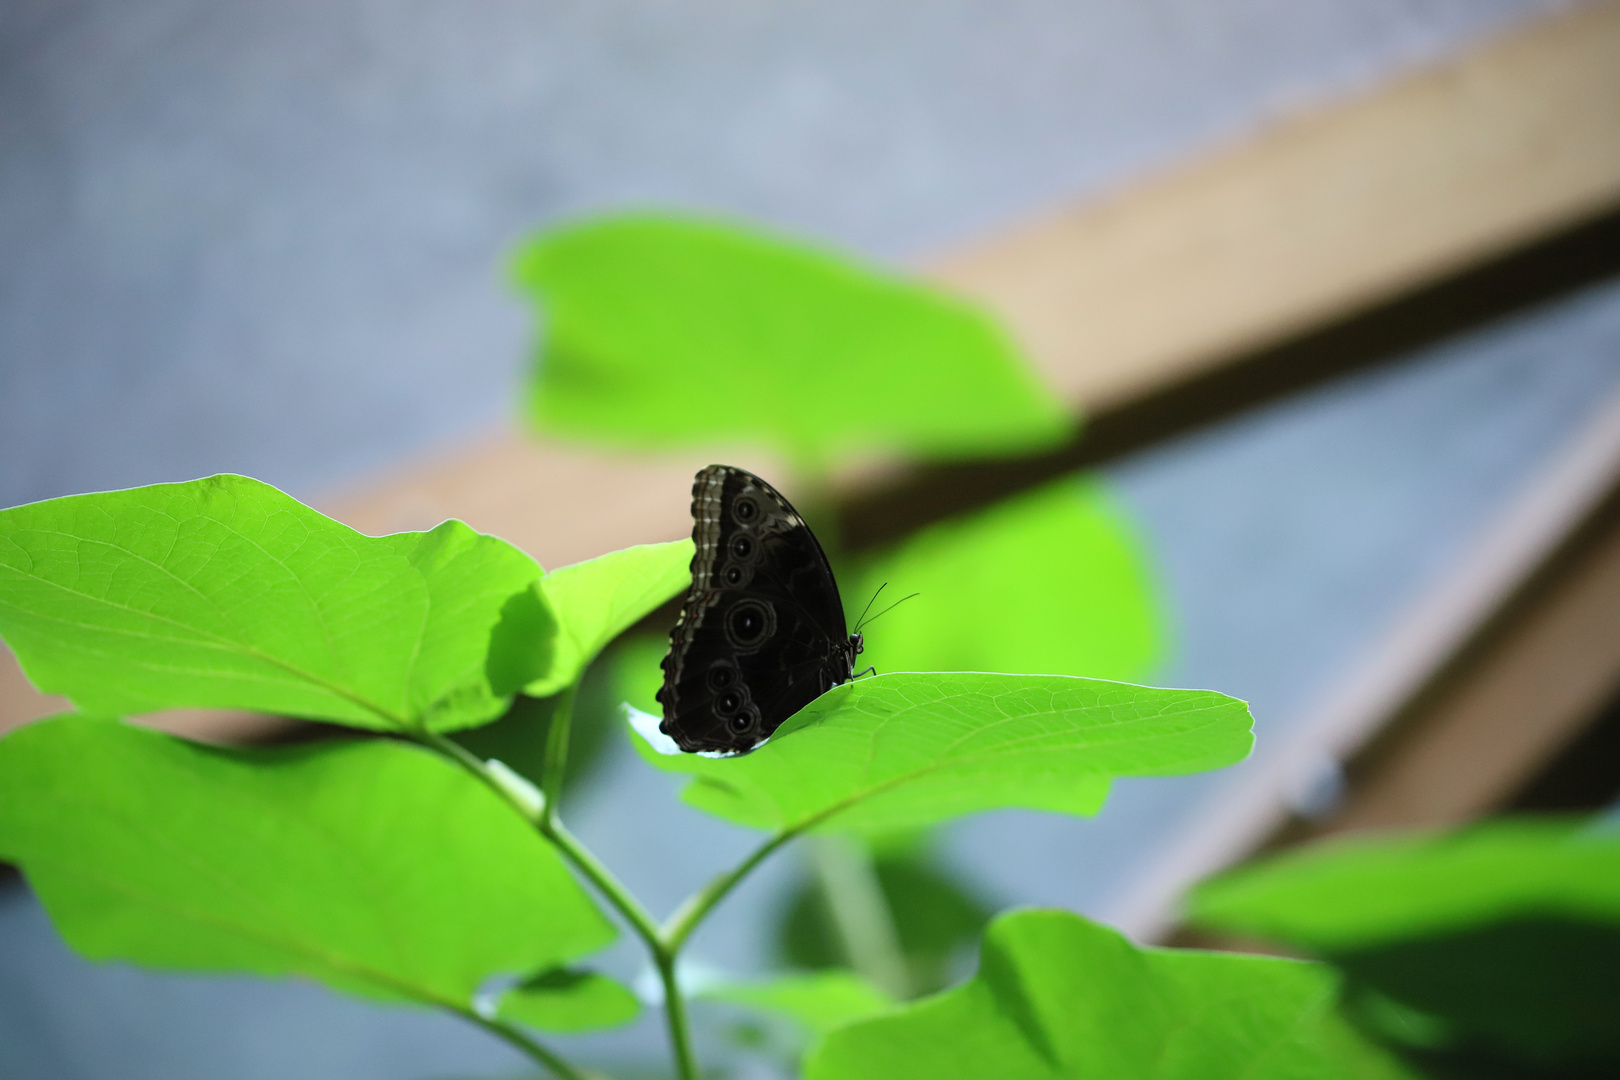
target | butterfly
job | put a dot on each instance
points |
(761, 632)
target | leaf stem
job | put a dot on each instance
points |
(609, 886)
(862, 919)
(473, 764)
(680, 1031)
(663, 955)
(529, 1046)
(686, 918)
(556, 760)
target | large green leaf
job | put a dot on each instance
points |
(1059, 998)
(595, 601)
(565, 999)
(372, 865)
(661, 331)
(911, 749)
(1498, 944)
(1092, 608)
(226, 593)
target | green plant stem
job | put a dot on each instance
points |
(529, 1046)
(680, 1029)
(475, 766)
(611, 889)
(663, 954)
(862, 919)
(690, 914)
(556, 760)
(664, 944)
(609, 886)
(664, 957)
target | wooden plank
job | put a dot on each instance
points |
(1503, 711)
(19, 701)
(1320, 215)
(1533, 605)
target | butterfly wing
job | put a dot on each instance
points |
(762, 631)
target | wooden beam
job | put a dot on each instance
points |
(1318, 216)
(1456, 706)
(891, 505)
(1532, 681)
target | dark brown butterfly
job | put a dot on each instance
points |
(762, 631)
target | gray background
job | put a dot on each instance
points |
(267, 237)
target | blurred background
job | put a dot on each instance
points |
(1335, 285)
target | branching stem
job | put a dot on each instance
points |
(663, 943)
(556, 765)
(689, 915)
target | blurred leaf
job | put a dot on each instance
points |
(1539, 993)
(1353, 894)
(371, 865)
(936, 916)
(1497, 943)
(595, 601)
(819, 1002)
(1053, 581)
(1059, 997)
(661, 331)
(564, 999)
(226, 593)
(908, 749)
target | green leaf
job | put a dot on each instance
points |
(226, 593)
(1497, 943)
(565, 999)
(371, 865)
(1342, 896)
(1091, 609)
(595, 601)
(818, 1001)
(911, 749)
(1059, 997)
(662, 331)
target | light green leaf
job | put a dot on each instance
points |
(1060, 998)
(819, 1001)
(564, 999)
(1349, 895)
(1091, 610)
(226, 593)
(662, 331)
(595, 601)
(911, 749)
(371, 865)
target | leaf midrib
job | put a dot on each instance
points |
(822, 816)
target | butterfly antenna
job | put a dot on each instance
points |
(862, 620)
(885, 611)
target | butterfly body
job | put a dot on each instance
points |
(762, 631)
